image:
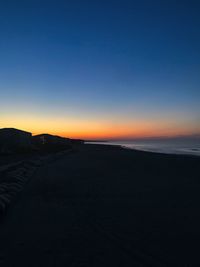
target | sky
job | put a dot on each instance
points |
(100, 69)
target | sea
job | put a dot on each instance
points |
(166, 146)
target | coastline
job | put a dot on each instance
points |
(155, 149)
(102, 205)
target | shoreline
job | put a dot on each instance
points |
(145, 151)
(128, 146)
(102, 205)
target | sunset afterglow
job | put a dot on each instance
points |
(109, 79)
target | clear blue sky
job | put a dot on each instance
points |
(90, 68)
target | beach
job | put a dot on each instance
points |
(106, 206)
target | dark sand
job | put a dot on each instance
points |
(106, 206)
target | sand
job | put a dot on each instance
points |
(106, 206)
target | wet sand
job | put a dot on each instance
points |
(106, 206)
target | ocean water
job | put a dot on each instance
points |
(185, 147)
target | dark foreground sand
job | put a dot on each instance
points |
(106, 206)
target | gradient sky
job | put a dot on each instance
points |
(100, 69)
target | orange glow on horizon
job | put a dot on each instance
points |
(90, 129)
(122, 135)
